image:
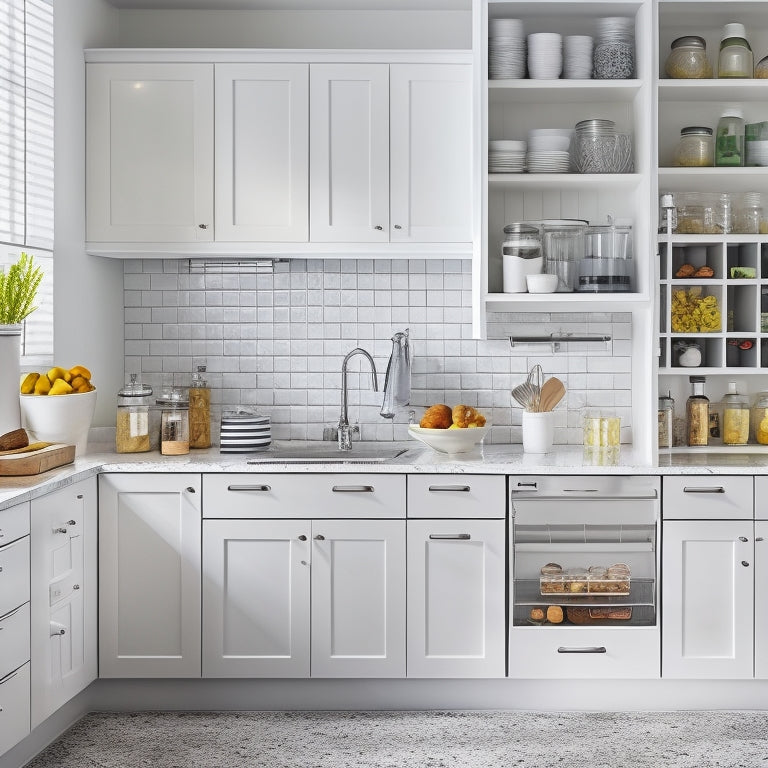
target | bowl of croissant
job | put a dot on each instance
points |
(451, 430)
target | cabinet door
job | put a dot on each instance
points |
(14, 707)
(256, 598)
(707, 599)
(761, 598)
(456, 598)
(349, 153)
(149, 575)
(150, 152)
(358, 598)
(431, 152)
(63, 596)
(262, 152)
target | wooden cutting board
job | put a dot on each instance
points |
(35, 462)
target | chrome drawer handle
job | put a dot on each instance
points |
(587, 649)
(459, 488)
(57, 629)
(352, 489)
(713, 489)
(459, 536)
(249, 488)
(10, 613)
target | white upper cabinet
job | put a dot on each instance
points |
(150, 152)
(430, 163)
(262, 144)
(349, 153)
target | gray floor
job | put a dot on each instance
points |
(413, 740)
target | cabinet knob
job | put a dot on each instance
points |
(302, 537)
(60, 529)
(745, 563)
(75, 586)
(759, 538)
(79, 496)
(378, 227)
(71, 522)
(190, 489)
(202, 226)
(743, 538)
(397, 226)
(319, 537)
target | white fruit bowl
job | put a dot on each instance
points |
(450, 440)
(59, 418)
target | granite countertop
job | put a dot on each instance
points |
(492, 459)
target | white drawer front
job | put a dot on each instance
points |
(14, 639)
(14, 708)
(346, 495)
(575, 652)
(14, 575)
(457, 496)
(14, 523)
(712, 497)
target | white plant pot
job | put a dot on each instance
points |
(10, 377)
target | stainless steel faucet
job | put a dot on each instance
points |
(345, 431)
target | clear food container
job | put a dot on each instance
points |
(696, 148)
(133, 429)
(688, 58)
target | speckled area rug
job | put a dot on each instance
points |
(412, 740)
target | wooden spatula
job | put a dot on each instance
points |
(552, 392)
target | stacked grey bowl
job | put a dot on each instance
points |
(244, 431)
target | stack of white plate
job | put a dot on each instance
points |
(506, 156)
(506, 49)
(577, 57)
(545, 55)
(244, 432)
(548, 150)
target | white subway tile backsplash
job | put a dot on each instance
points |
(276, 342)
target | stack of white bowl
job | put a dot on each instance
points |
(549, 150)
(506, 49)
(244, 432)
(577, 57)
(545, 55)
(506, 156)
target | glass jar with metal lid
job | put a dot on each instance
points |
(688, 59)
(174, 423)
(132, 434)
(735, 59)
(759, 418)
(696, 148)
(521, 256)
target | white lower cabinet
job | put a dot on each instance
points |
(14, 625)
(456, 598)
(708, 599)
(63, 596)
(259, 620)
(149, 575)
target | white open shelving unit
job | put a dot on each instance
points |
(700, 102)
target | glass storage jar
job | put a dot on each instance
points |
(199, 410)
(174, 423)
(688, 58)
(729, 141)
(735, 58)
(132, 433)
(697, 412)
(520, 255)
(735, 417)
(666, 420)
(759, 418)
(696, 148)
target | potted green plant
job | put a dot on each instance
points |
(18, 288)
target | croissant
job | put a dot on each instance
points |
(436, 417)
(466, 416)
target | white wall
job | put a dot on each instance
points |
(88, 307)
(296, 29)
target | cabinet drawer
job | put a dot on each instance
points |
(14, 523)
(14, 575)
(303, 496)
(14, 707)
(453, 496)
(14, 639)
(707, 498)
(575, 652)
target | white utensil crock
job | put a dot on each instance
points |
(10, 376)
(538, 431)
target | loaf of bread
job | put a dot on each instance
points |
(555, 614)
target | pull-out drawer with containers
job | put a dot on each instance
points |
(14, 625)
(709, 497)
(265, 495)
(584, 565)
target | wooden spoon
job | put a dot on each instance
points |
(552, 392)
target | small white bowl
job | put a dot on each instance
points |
(59, 418)
(450, 440)
(541, 283)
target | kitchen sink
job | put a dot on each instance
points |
(324, 453)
